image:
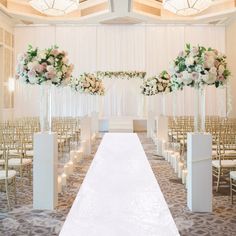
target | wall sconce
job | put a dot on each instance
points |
(11, 85)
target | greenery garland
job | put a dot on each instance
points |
(121, 74)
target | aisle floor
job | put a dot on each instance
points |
(23, 220)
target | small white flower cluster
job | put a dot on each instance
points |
(199, 66)
(44, 66)
(89, 84)
(157, 84)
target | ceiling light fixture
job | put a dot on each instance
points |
(186, 7)
(55, 7)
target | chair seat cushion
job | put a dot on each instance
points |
(224, 163)
(233, 175)
(14, 153)
(229, 153)
(16, 161)
(11, 174)
(30, 153)
(2, 161)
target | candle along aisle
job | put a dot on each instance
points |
(67, 169)
(59, 184)
(176, 162)
(79, 155)
(184, 176)
(73, 155)
(180, 168)
(83, 145)
(63, 179)
(71, 167)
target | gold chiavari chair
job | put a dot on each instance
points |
(226, 155)
(7, 177)
(17, 155)
(232, 177)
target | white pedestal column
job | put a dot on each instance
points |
(150, 124)
(45, 171)
(85, 125)
(199, 166)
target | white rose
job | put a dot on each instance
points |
(179, 80)
(33, 80)
(22, 79)
(160, 87)
(51, 60)
(189, 61)
(209, 62)
(205, 77)
(187, 77)
(30, 65)
(59, 74)
(212, 76)
(176, 68)
(50, 68)
(42, 54)
(167, 90)
(199, 68)
(56, 80)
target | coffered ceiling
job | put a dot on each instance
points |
(118, 12)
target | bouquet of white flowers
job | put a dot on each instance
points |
(199, 66)
(157, 84)
(89, 84)
(39, 66)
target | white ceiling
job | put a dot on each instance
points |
(118, 12)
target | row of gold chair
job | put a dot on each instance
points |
(223, 144)
(16, 146)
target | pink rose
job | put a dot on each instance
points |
(195, 75)
(221, 78)
(40, 68)
(32, 73)
(55, 52)
(50, 75)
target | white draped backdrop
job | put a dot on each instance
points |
(147, 48)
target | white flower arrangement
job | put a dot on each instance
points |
(89, 84)
(121, 74)
(49, 66)
(199, 66)
(157, 84)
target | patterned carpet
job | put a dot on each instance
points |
(23, 220)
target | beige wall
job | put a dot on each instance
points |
(231, 54)
(6, 66)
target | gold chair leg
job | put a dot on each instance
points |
(21, 176)
(7, 194)
(218, 180)
(231, 191)
(14, 183)
(29, 174)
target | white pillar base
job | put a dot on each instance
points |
(199, 166)
(159, 148)
(45, 171)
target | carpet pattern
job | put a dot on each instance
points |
(23, 220)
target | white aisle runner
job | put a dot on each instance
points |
(120, 195)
